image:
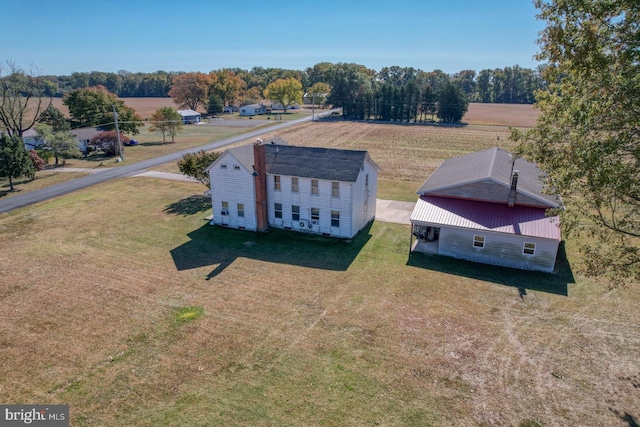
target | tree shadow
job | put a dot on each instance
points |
(554, 283)
(626, 417)
(189, 206)
(152, 144)
(219, 247)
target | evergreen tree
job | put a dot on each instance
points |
(452, 103)
(14, 159)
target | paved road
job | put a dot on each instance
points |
(36, 196)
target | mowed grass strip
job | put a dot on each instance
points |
(294, 329)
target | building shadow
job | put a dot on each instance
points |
(219, 247)
(190, 205)
(523, 280)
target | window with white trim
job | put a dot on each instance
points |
(294, 185)
(278, 210)
(529, 248)
(295, 213)
(478, 241)
(225, 208)
(315, 215)
(335, 219)
(276, 182)
(314, 186)
(335, 189)
(240, 210)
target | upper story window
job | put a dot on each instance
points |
(294, 185)
(335, 189)
(478, 241)
(276, 182)
(314, 186)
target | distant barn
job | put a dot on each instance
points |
(189, 116)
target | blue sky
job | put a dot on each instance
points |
(62, 36)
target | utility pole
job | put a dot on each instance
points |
(115, 117)
(313, 106)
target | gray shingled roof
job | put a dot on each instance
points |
(493, 165)
(305, 162)
(314, 162)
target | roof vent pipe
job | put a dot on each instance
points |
(512, 192)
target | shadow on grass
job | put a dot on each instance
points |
(554, 283)
(189, 206)
(219, 247)
(151, 144)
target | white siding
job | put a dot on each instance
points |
(499, 249)
(233, 186)
(324, 201)
(364, 197)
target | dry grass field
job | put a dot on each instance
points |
(97, 288)
(294, 330)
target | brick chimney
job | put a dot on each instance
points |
(260, 181)
(514, 186)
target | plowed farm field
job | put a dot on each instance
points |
(403, 152)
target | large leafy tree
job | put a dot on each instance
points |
(587, 137)
(167, 121)
(195, 165)
(14, 159)
(23, 98)
(318, 93)
(54, 118)
(190, 90)
(93, 106)
(285, 91)
(226, 85)
(61, 144)
(452, 103)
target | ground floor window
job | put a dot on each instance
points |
(529, 248)
(278, 210)
(315, 215)
(295, 213)
(225, 208)
(335, 219)
(478, 241)
(240, 210)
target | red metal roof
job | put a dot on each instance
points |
(520, 220)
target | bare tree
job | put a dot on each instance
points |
(22, 98)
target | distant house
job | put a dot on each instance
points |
(279, 106)
(230, 109)
(189, 116)
(488, 207)
(253, 110)
(306, 189)
(83, 137)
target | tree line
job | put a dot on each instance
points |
(515, 85)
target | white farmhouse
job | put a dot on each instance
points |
(308, 189)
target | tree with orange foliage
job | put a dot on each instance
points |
(190, 90)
